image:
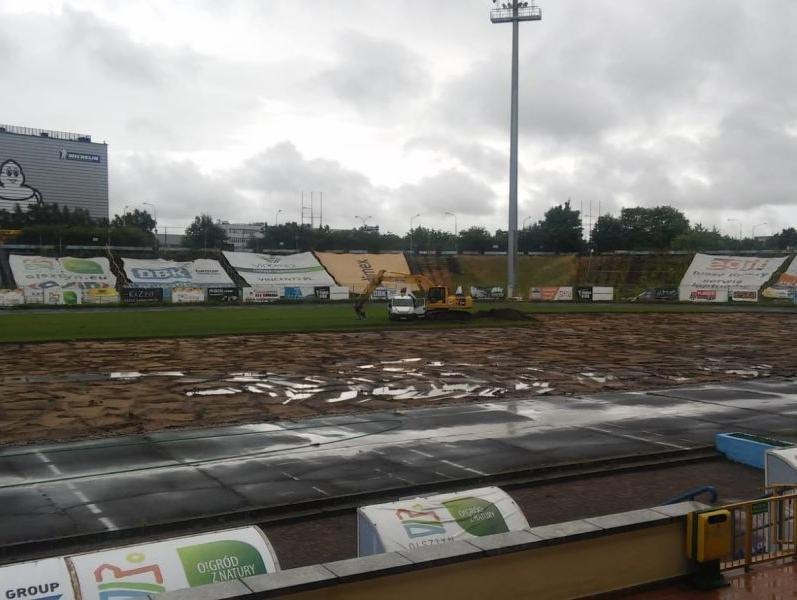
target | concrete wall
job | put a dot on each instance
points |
(566, 560)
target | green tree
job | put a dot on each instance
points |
(699, 238)
(652, 228)
(475, 239)
(786, 239)
(137, 219)
(560, 230)
(608, 234)
(204, 233)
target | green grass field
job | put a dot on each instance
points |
(27, 326)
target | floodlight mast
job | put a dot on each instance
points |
(513, 12)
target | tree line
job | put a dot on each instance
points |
(660, 228)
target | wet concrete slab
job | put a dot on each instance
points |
(55, 490)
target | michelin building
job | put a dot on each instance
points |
(38, 165)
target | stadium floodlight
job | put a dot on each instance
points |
(513, 12)
(276, 217)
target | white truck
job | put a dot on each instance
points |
(404, 306)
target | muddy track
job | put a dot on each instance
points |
(69, 390)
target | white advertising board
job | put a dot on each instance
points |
(46, 579)
(33, 295)
(176, 564)
(68, 272)
(737, 272)
(12, 297)
(690, 294)
(260, 293)
(419, 522)
(602, 294)
(62, 296)
(183, 295)
(100, 296)
(551, 293)
(159, 272)
(294, 270)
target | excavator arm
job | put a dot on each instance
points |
(421, 281)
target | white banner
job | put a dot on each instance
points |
(68, 272)
(158, 273)
(338, 292)
(551, 294)
(46, 579)
(100, 296)
(786, 284)
(12, 297)
(33, 295)
(271, 269)
(738, 272)
(184, 295)
(260, 293)
(176, 564)
(59, 296)
(419, 522)
(602, 294)
(688, 294)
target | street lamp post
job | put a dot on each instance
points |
(526, 220)
(364, 220)
(450, 214)
(412, 218)
(154, 214)
(513, 12)
(740, 226)
(276, 217)
(756, 226)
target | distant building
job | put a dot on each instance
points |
(43, 166)
(240, 234)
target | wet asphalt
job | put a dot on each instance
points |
(51, 491)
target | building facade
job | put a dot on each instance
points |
(43, 166)
(239, 234)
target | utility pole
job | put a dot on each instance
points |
(513, 12)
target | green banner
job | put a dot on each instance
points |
(477, 516)
(215, 562)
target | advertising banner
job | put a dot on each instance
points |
(786, 284)
(62, 296)
(338, 292)
(260, 293)
(100, 296)
(301, 269)
(584, 294)
(68, 272)
(687, 294)
(416, 523)
(551, 294)
(723, 272)
(298, 293)
(744, 295)
(12, 297)
(135, 295)
(223, 294)
(33, 295)
(46, 579)
(184, 295)
(321, 292)
(602, 294)
(487, 293)
(356, 270)
(158, 273)
(176, 564)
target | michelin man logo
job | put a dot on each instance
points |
(13, 189)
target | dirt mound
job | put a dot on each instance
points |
(503, 314)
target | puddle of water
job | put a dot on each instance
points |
(125, 375)
(165, 374)
(362, 367)
(436, 363)
(216, 392)
(349, 395)
(452, 374)
(521, 386)
(742, 372)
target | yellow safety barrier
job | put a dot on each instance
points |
(761, 530)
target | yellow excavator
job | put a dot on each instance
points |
(437, 302)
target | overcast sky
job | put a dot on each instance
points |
(398, 107)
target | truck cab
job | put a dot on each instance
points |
(404, 306)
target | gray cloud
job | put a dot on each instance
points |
(375, 75)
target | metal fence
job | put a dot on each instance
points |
(763, 530)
